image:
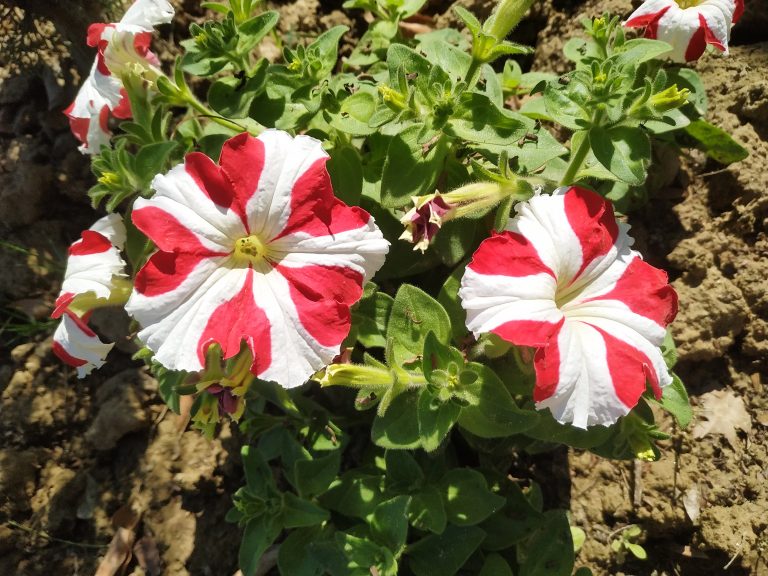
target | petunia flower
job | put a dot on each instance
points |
(688, 25)
(562, 278)
(95, 277)
(423, 221)
(257, 250)
(120, 45)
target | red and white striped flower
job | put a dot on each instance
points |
(95, 277)
(255, 249)
(688, 25)
(120, 45)
(562, 278)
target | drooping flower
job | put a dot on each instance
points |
(95, 277)
(255, 249)
(688, 25)
(562, 278)
(430, 212)
(120, 45)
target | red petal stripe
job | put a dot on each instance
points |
(90, 243)
(508, 254)
(709, 36)
(646, 20)
(646, 291)
(527, 332)
(242, 162)
(67, 358)
(630, 369)
(592, 220)
(168, 233)
(314, 208)
(322, 296)
(236, 320)
(697, 44)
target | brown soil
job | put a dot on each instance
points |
(77, 454)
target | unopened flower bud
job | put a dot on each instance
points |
(669, 99)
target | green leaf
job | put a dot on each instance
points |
(495, 565)
(446, 553)
(637, 550)
(436, 419)
(716, 143)
(389, 525)
(468, 501)
(414, 314)
(363, 554)
(300, 513)
(403, 473)
(232, 97)
(399, 426)
(412, 166)
(151, 159)
(449, 299)
(494, 413)
(325, 49)
(371, 317)
(314, 476)
(259, 26)
(550, 430)
(355, 494)
(258, 535)
(550, 549)
(295, 558)
(258, 475)
(561, 106)
(513, 523)
(469, 19)
(674, 399)
(480, 121)
(346, 170)
(640, 50)
(624, 151)
(355, 113)
(427, 511)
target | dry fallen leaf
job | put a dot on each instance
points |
(724, 412)
(118, 554)
(692, 503)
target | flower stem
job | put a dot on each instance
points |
(577, 159)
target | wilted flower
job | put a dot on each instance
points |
(120, 45)
(430, 212)
(562, 278)
(424, 220)
(688, 25)
(254, 249)
(95, 277)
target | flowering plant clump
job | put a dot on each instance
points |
(387, 270)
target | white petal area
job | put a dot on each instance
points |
(79, 346)
(719, 17)
(112, 228)
(286, 159)
(97, 137)
(677, 27)
(296, 355)
(144, 15)
(94, 273)
(585, 394)
(543, 222)
(173, 322)
(493, 300)
(619, 328)
(361, 249)
(178, 194)
(651, 7)
(96, 92)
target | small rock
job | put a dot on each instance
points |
(120, 411)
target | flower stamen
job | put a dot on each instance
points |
(250, 250)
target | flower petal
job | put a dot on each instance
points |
(77, 345)
(185, 213)
(649, 12)
(94, 261)
(146, 14)
(587, 376)
(573, 231)
(509, 291)
(351, 240)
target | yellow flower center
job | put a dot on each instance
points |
(250, 250)
(688, 3)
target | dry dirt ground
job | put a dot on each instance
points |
(76, 455)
